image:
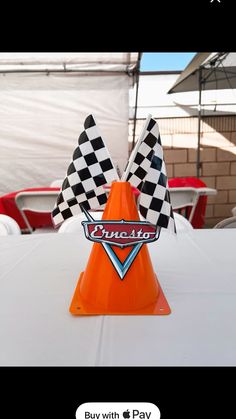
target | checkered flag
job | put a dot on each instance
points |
(155, 205)
(143, 157)
(90, 169)
(148, 174)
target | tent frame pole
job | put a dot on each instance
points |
(136, 99)
(199, 165)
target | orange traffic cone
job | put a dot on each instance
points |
(100, 289)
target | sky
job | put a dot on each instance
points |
(161, 61)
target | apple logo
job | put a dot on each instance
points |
(126, 414)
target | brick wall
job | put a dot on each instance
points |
(218, 157)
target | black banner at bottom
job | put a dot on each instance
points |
(57, 392)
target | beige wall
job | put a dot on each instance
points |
(218, 157)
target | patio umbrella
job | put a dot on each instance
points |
(207, 71)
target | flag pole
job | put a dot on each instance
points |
(134, 152)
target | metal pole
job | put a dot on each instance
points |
(199, 123)
(136, 98)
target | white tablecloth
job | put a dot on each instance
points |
(197, 272)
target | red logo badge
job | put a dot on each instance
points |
(122, 234)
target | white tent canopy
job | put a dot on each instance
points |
(216, 71)
(44, 99)
(208, 71)
(119, 62)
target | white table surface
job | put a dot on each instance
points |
(197, 272)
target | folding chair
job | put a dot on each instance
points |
(227, 223)
(38, 201)
(73, 224)
(182, 224)
(185, 197)
(8, 226)
(182, 198)
(57, 183)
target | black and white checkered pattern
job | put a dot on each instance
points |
(90, 169)
(154, 204)
(148, 174)
(143, 158)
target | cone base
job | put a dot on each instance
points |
(79, 308)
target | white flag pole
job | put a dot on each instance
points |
(135, 150)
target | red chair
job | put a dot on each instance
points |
(198, 217)
(37, 220)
